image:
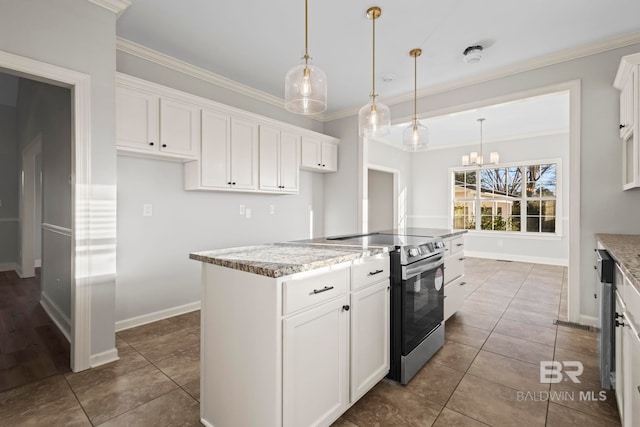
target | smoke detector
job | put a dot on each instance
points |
(472, 54)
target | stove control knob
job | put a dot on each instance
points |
(414, 252)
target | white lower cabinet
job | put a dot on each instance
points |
(369, 337)
(315, 364)
(455, 289)
(619, 359)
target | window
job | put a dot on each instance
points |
(516, 198)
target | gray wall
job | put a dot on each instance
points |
(602, 198)
(432, 208)
(154, 269)
(184, 221)
(79, 35)
(9, 210)
(45, 110)
(380, 200)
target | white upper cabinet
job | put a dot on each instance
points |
(627, 82)
(319, 155)
(279, 160)
(229, 155)
(151, 124)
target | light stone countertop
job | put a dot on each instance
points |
(426, 232)
(625, 250)
(284, 259)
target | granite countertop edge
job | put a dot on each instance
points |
(625, 250)
(276, 269)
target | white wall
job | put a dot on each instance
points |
(8, 187)
(431, 197)
(45, 111)
(154, 269)
(79, 35)
(601, 192)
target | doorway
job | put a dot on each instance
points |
(381, 196)
(78, 229)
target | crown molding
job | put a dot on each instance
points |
(532, 64)
(115, 6)
(131, 48)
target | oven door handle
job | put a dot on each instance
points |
(419, 267)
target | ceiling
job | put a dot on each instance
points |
(255, 42)
(508, 121)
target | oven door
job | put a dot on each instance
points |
(422, 301)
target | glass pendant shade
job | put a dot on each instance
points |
(415, 137)
(305, 89)
(374, 120)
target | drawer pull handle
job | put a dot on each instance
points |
(373, 273)
(345, 308)
(639, 389)
(461, 259)
(463, 283)
(459, 244)
(325, 289)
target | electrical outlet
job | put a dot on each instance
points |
(248, 213)
(241, 209)
(0, 203)
(272, 209)
(147, 209)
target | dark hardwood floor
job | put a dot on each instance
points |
(31, 346)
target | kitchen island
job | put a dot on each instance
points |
(292, 334)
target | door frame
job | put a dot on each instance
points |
(28, 205)
(81, 243)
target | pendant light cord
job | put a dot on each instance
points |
(373, 68)
(415, 89)
(306, 32)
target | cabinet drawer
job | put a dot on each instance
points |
(369, 270)
(454, 295)
(454, 245)
(453, 267)
(308, 291)
(632, 301)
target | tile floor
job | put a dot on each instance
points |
(493, 348)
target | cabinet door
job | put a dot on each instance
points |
(136, 119)
(620, 362)
(179, 128)
(632, 380)
(329, 157)
(311, 153)
(289, 162)
(215, 150)
(269, 159)
(244, 154)
(315, 363)
(369, 337)
(627, 105)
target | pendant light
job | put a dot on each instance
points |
(415, 137)
(476, 159)
(305, 85)
(374, 118)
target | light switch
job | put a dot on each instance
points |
(147, 209)
(272, 209)
(241, 209)
(248, 212)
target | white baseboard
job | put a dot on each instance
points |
(57, 316)
(517, 258)
(121, 325)
(103, 358)
(588, 320)
(8, 266)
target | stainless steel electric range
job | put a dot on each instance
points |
(417, 299)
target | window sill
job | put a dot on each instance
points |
(517, 235)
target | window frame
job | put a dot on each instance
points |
(523, 199)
